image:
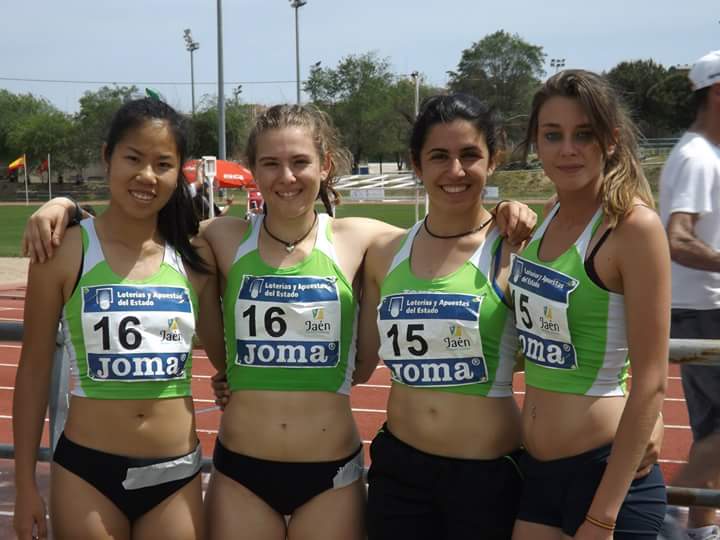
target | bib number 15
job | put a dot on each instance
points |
(419, 345)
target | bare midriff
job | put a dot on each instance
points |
(454, 425)
(557, 425)
(289, 426)
(148, 428)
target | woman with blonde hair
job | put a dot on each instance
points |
(591, 294)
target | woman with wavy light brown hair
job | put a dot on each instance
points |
(592, 299)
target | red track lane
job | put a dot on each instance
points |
(368, 400)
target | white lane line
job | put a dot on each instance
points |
(379, 411)
(10, 320)
(372, 386)
(672, 426)
(9, 417)
(7, 346)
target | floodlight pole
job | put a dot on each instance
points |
(557, 63)
(221, 84)
(191, 47)
(296, 5)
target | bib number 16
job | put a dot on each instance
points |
(275, 325)
(128, 336)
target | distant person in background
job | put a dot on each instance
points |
(199, 192)
(255, 203)
(690, 210)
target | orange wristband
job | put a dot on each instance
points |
(599, 523)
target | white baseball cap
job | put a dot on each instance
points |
(706, 71)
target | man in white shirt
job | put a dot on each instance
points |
(690, 209)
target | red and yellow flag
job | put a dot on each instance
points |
(19, 162)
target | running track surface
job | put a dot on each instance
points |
(368, 403)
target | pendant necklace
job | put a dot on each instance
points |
(467, 233)
(289, 246)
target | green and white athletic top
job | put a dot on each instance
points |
(452, 333)
(571, 331)
(289, 329)
(129, 339)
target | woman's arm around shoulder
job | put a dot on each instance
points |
(45, 228)
(361, 233)
(209, 320)
(377, 260)
(49, 287)
(224, 235)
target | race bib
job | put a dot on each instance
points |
(288, 321)
(432, 339)
(137, 333)
(541, 297)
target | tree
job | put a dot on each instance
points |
(357, 95)
(657, 97)
(501, 69)
(400, 120)
(204, 127)
(93, 120)
(14, 109)
(42, 133)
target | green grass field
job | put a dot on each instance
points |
(14, 218)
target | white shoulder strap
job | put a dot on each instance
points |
(540, 231)
(251, 243)
(406, 249)
(172, 258)
(583, 240)
(322, 242)
(93, 254)
(483, 256)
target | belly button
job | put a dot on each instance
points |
(283, 426)
(141, 415)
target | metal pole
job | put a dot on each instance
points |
(297, 52)
(221, 84)
(192, 80)
(415, 78)
(27, 199)
(49, 171)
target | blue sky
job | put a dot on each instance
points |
(142, 40)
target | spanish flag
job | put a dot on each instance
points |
(19, 162)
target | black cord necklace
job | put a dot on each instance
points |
(289, 246)
(467, 233)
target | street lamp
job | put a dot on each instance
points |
(557, 63)
(296, 5)
(191, 46)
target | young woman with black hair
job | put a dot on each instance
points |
(130, 290)
(445, 464)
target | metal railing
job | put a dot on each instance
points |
(682, 351)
